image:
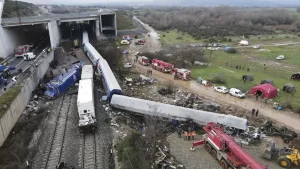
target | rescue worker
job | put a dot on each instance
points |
(253, 111)
(189, 133)
(193, 135)
(185, 135)
(179, 130)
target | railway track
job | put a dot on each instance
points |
(55, 144)
(88, 151)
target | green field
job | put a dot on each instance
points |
(278, 71)
(293, 11)
(177, 37)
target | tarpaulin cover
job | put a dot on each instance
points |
(268, 90)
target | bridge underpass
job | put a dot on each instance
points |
(73, 30)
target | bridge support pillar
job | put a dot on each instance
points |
(97, 29)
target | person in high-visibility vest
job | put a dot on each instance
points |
(193, 135)
(185, 135)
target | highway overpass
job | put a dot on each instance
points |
(19, 31)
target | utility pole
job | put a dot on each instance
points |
(20, 21)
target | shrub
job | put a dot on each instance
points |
(286, 103)
(231, 50)
(219, 79)
(229, 40)
(135, 37)
(247, 36)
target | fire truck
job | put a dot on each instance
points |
(224, 149)
(162, 66)
(183, 74)
(143, 60)
(21, 50)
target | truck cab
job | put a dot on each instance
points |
(143, 60)
(29, 56)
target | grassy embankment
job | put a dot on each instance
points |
(278, 71)
(124, 21)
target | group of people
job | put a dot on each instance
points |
(135, 60)
(255, 112)
(189, 134)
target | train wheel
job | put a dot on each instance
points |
(208, 148)
(214, 153)
(284, 162)
(224, 164)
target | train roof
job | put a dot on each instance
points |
(85, 37)
(108, 75)
(87, 72)
(85, 91)
(93, 51)
(63, 77)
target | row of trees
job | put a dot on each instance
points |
(222, 21)
(15, 8)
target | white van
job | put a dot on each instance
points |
(29, 56)
(237, 93)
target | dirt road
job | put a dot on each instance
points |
(285, 118)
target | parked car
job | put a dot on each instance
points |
(125, 42)
(221, 89)
(127, 65)
(280, 57)
(237, 93)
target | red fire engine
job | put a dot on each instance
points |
(183, 74)
(21, 50)
(143, 60)
(224, 149)
(162, 66)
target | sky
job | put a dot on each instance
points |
(107, 2)
(81, 1)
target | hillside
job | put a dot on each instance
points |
(124, 21)
(252, 3)
(25, 9)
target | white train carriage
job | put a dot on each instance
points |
(175, 112)
(87, 72)
(85, 105)
(92, 53)
(110, 82)
(85, 38)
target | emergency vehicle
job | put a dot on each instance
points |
(143, 60)
(140, 42)
(21, 50)
(162, 66)
(183, 74)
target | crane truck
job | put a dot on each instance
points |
(225, 150)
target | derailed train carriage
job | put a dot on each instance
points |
(114, 92)
(85, 100)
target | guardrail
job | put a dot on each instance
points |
(24, 74)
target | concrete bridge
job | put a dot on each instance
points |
(19, 31)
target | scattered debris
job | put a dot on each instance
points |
(286, 134)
